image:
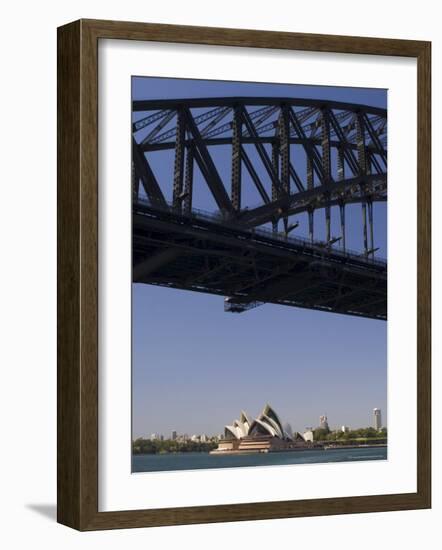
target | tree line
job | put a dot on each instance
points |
(157, 446)
(359, 435)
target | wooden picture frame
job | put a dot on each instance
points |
(78, 274)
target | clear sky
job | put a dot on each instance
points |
(195, 367)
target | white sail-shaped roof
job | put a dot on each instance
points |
(276, 427)
(267, 423)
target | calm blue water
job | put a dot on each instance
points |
(197, 461)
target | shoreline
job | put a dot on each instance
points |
(321, 447)
(216, 452)
(362, 446)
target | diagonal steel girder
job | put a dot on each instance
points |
(144, 172)
(207, 166)
(275, 177)
(375, 139)
(261, 150)
(253, 174)
(309, 147)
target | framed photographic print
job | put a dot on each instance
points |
(244, 275)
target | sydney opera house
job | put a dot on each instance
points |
(263, 434)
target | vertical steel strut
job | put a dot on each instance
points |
(341, 176)
(341, 168)
(342, 216)
(326, 166)
(310, 184)
(188, 180)
(362, 160)
(236, 160)
(284, 136)
(370, 221)
(179, 162)
(275, 164)
(364, 223)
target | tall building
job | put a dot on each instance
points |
(174, 435)
(323, 423)
(377, 419)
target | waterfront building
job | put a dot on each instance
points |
(377, 419)
(260, 435)
(174, 435)
(323, 423)
(153, 437)
(345, 429)
(308, 435)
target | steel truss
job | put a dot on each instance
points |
(300, 156)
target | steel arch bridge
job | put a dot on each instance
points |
(297, 156)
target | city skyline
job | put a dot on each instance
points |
(176, 434)
(195, 365)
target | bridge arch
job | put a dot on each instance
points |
(299, 155)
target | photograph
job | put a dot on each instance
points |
(259, 274)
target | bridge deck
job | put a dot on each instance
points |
(252, 267)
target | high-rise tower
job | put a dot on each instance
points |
(323, 423)
(377, 419)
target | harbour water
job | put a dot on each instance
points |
(197, 461)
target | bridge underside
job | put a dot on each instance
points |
(249, 268)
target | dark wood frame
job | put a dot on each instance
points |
(78, 270)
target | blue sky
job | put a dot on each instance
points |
(195, 366)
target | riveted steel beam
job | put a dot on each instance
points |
(157, 104)
(178, 173)
(236, 160)
(360, 141)
(188, 180)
